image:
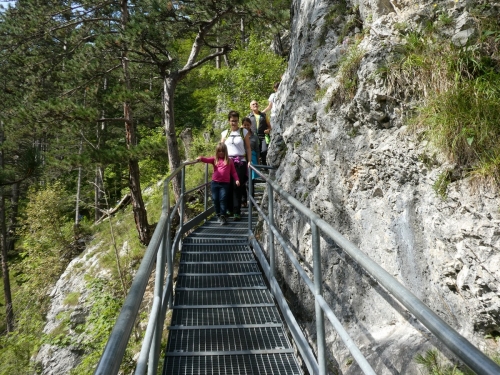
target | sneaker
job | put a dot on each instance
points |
(229, 214)
(218, 219)
(222, 220)
(237, 217)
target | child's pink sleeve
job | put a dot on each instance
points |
(207, 160)
(232, 170)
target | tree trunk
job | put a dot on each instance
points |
(187, 140)
(14, 209)
(140, 214)
(242, 32)
(9, 312)
(98, 189)
(78, 184)
(169, 84)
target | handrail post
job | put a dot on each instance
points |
(206, 188)
(168, 246)
(250, 195)
(272, 261)
(183, 189)
(318, 283)
(158, 291)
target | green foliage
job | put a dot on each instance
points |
(334, 13)
(72, 299)
(463, 122)
(105, 308)
(337, 13)
(153, 162)
(460, 88)
(433, 365)
(320, 93)
(47, 234)
(441, 184)
(252, 75)
(348, 74)
(307, 72)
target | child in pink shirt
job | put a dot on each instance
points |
(223, 170)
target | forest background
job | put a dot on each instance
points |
(89, 90)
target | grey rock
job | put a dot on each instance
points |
(463, 37)
(375, 186)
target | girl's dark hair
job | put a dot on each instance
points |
(246, 119)
(276, 85)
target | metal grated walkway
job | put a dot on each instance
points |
(225, 320)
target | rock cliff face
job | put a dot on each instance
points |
(357, 165)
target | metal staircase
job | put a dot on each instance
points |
(225, 320)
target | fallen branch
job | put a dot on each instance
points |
(105, 213)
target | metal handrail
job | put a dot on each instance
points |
(159, 249)
(162, 248)
(456, 343)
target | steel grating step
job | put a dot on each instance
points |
(226, 256)
(222, 241)
(224, 268)
(220, 281)
(246, 297)
(211, 246)
(230, 222)
(225, 340)
(221, 231)
(224, 319)
(225, 316)
(279, 364)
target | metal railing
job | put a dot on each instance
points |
(162, 250)
(457, 344)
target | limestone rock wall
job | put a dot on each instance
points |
(362, 170)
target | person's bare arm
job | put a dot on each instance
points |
(247, 147)
(268, 108)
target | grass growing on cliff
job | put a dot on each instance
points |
(460, 91)
(347, 75)
(434, 364)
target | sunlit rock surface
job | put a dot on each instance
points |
(357, 165)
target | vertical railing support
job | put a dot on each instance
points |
(183, 189)
(206, 188)
(250, 196)
(158, 292)
(318, 283)
(167, 240)
(272, 260)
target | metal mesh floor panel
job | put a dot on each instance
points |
(236, 241)
(227, 339)
(243, 224)
(187, 268)
(217, 257)
(222, 297)
(225, 316)
(220, 231)
(258, 364)
(225, 320)
(220, 281)
(204, 247)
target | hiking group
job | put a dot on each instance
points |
(238, 146)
